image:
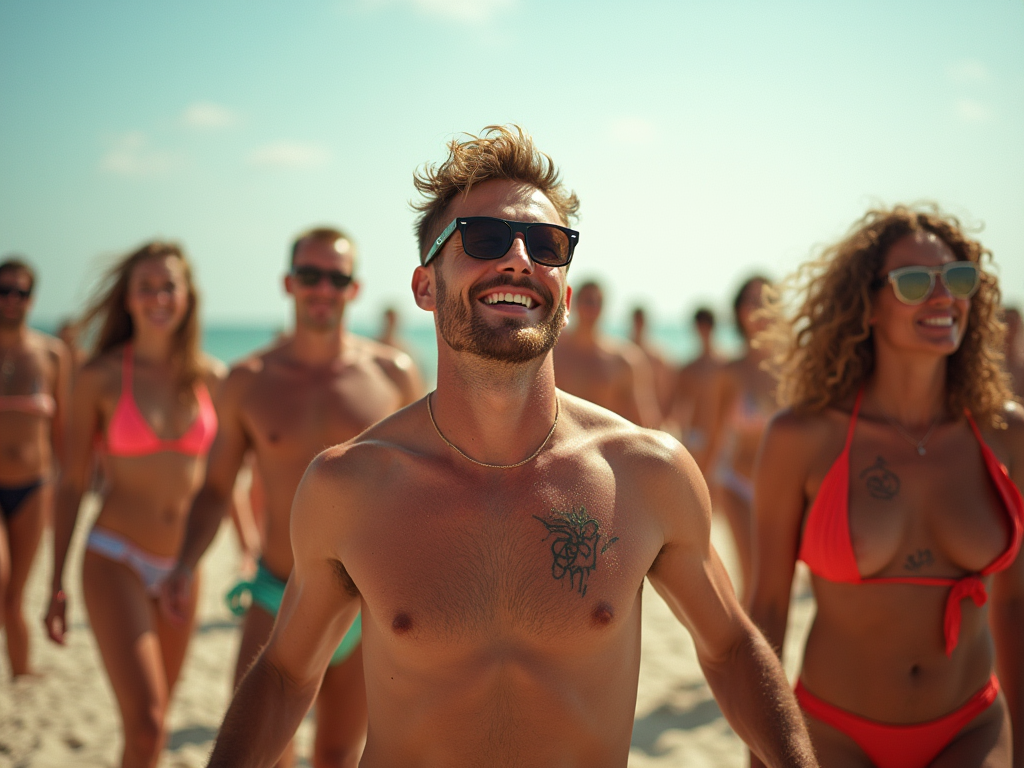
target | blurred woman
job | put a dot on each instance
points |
(887, 475)
(143, 399)
(744, 401)
(34, 371)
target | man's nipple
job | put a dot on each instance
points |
(602, 615)
(402, 623)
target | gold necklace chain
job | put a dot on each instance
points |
(463, 454)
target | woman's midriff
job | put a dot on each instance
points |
(149, 498)
(876, 650)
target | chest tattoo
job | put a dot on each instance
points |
(919, 560)
(575, 547)
(881, 482)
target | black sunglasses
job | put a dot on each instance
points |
(485, 237)
(10, 290)
(312, 276)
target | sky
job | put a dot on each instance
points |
(706, 140)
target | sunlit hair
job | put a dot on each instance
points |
(18, 264)
(740, 297)
(500, 152)
(820, 335)
(107, 312)
(329, 235)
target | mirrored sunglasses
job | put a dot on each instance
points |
(486, 237)
(912, 285)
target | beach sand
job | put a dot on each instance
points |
(68, 716)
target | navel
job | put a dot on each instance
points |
(402, 623)
(602, 614)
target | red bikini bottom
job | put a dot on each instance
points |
(899, 746)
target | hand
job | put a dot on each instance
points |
(56, 617)
(176, 594)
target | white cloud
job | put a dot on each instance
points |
(290, 155)
(468, 11)
(632, 130)
(968, 72)
(972, 111)
(132, 155)
(207, 115)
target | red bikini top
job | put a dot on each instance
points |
(828, 551)
(129, 434)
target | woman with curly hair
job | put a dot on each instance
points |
(887, 475)
(144, 400)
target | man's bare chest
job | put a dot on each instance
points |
(543, 563)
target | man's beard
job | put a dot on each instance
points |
(511, 341)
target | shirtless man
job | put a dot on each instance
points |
(694, 396)
(34, 376)
(660, 369)
(316, 388)
(496, 534)
(1015, 350)
(610, 373)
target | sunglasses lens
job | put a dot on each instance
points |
(339, 280)
(914, 286)
(486, 238)
(307, 276)
(962, 280)
(6, 291)
(548, 245)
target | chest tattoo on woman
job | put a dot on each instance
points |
(575, 547)
(881, 482)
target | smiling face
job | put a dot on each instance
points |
(937, 324)
(158, 293)
(508, 309)
(321, 306)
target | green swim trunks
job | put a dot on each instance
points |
(266, 591)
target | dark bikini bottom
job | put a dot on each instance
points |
(12, 498)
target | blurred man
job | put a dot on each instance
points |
(497, 534)
(607, 372)
(1015, 350)
(664, 378)
(693, 401)
(313, 389)
(34, 380)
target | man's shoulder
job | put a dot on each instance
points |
(391, 359)
(618, 439)
(47, 344)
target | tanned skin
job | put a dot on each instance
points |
(31, 363)
(501, 607)
(693, 397)
(608, 372)
(318, 387)
(878, 650)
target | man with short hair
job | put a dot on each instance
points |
(608, 372)
(315, 388)
(664, 375)
(34, 380)
(693, 402)
(497, 534)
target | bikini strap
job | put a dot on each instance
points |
(853, 419)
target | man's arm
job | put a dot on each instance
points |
(319, 605)
(744, 674)
(61, 394)
(213, 501)
(1007, 616)
(637, 397)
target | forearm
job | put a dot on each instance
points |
(755, 697)
(1008, 623)
(208, 510)
(264, 715)
(65, 516)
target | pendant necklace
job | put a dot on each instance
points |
(463, 454)
(918, 444)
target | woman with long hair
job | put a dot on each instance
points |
(887, 475)
(744, 401)
(143, 400)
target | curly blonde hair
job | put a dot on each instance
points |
(819, 337)
(499, 152)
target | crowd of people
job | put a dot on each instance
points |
(456, 574)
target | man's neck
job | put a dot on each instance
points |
(13, 335)
(496, 413)
(318, 347)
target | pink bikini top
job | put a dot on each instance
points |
(129, 434)
(826, 547)
(38, 404)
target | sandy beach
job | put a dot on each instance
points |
(68, 716)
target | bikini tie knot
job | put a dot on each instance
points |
(969, 586)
